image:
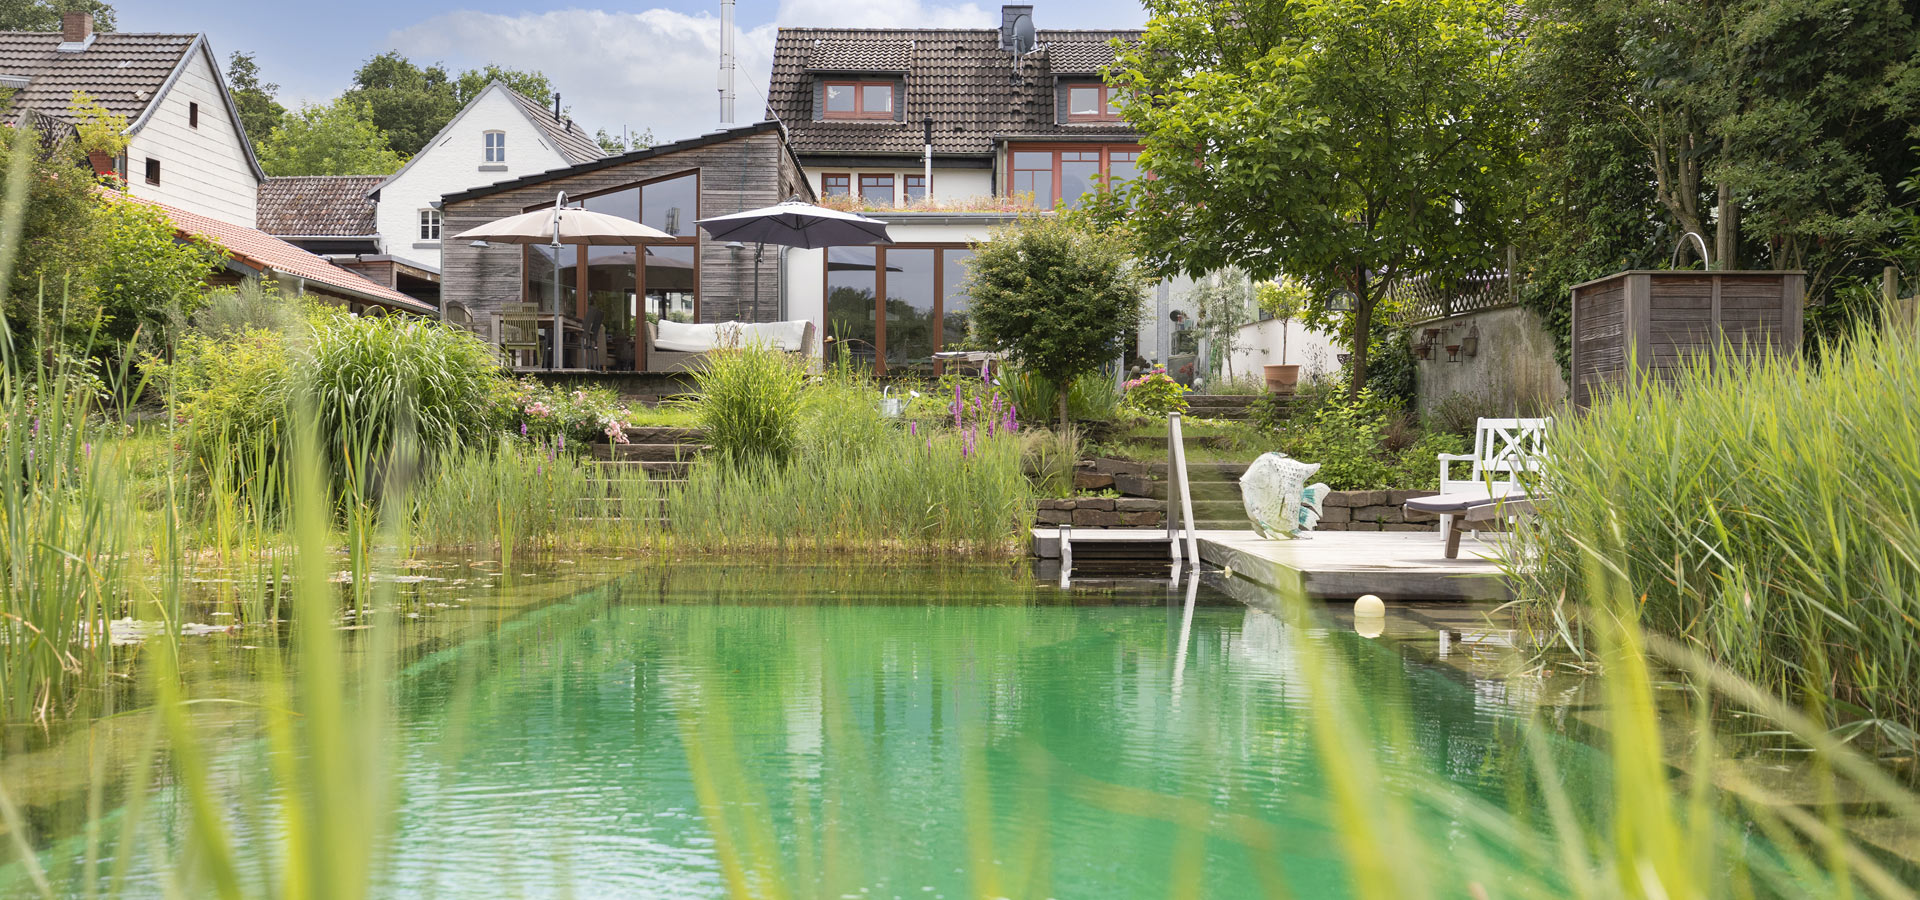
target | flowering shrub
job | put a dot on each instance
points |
(546, 414)
(1156, 394)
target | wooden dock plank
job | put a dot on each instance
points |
(1331, 564)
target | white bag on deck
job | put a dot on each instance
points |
(1279, 501)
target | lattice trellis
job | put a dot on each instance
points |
(1422, 299)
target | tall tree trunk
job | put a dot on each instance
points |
(1726, 239)
(1362, 333)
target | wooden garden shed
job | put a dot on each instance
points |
(1659, 318)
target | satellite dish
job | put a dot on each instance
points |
(1023, 36)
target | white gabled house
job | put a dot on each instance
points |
(500, 135)
(186, 147)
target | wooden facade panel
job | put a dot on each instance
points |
(1676, 318)
(743, 173)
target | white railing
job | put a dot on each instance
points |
(1181, 511)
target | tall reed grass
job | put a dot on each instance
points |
(749, 404)
(1767, 514)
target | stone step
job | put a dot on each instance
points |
(648, 452)
(662, 434)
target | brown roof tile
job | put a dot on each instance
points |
(860, 56)
(124, 72)
(570, 139)
(973, 90)
(318, 205)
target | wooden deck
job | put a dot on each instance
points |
(1330, 565)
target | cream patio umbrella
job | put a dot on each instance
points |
(564, 225)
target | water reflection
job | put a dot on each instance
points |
(890, 732)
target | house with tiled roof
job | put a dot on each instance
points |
(186, 147)
(252, 253)
(498, 136)
(944, 133)
(335, 217)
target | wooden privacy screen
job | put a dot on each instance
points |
(1658, 319)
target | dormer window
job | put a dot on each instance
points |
(859, 100)
(1092, 102)
(496, 142)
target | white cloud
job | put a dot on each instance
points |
(657, 69)
(884, 14)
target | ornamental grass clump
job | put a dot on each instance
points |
(750, 404)
(1767, 513)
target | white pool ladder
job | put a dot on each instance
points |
(1180, 506)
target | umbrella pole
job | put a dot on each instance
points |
(758, 249)
(554, 359)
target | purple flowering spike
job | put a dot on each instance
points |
(523, 429)
(913, 429)
(563, 440)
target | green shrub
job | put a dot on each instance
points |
(750, 404)
(1156, 394)
(253, 305)
(1765, 513)
(1363, 444)
(375, 385)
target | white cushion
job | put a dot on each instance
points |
(687, 338)
(787, 336)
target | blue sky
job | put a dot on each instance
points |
(639, 66)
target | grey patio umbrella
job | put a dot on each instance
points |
(564, 225)
(794, 223)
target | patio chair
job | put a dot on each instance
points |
(1505, 463)
(459, 316)
(520, 335)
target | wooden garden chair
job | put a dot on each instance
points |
(1502, 483)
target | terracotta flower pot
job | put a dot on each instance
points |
(1281, 379)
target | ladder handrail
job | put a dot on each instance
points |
(1177, 473)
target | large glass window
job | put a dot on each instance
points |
(925, 309)
(669, 205)
(915, 188)
(611, 291)
(836, 185)
(852, 282)
(912, 302)
(1064, 175)
(671, 280)
(625, 283)
(956, 320)
(1033, 174)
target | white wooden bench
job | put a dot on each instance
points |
(1501, 484)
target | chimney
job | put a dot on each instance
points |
(76, 27)
(1009, 15)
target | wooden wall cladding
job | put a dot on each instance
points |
(1657, 320)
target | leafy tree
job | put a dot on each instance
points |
(533, 85)
(1349, 143)
(615, 144)
(47, 200)
(260, 113)
(1054, 294)
(407, 103)
(44, 15)
(145, 276)
(1222, 302)
(336, 139)
(411, 103)
(100, 130)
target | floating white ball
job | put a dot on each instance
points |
(1369, 606)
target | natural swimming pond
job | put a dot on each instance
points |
(893, 733)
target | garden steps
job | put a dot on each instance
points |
(649, 452)
(1221, 406)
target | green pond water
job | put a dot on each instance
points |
(880, 733)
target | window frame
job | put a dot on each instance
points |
(193, 115)
(582, 268)
(906, 188)
(892, 181)
(431, 220)
(492, 152)
(939, 312)
(1106, 113)
(1054, 150)
(153, 171)
(860, 111)
(846, 179)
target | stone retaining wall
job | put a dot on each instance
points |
(1142, 502)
